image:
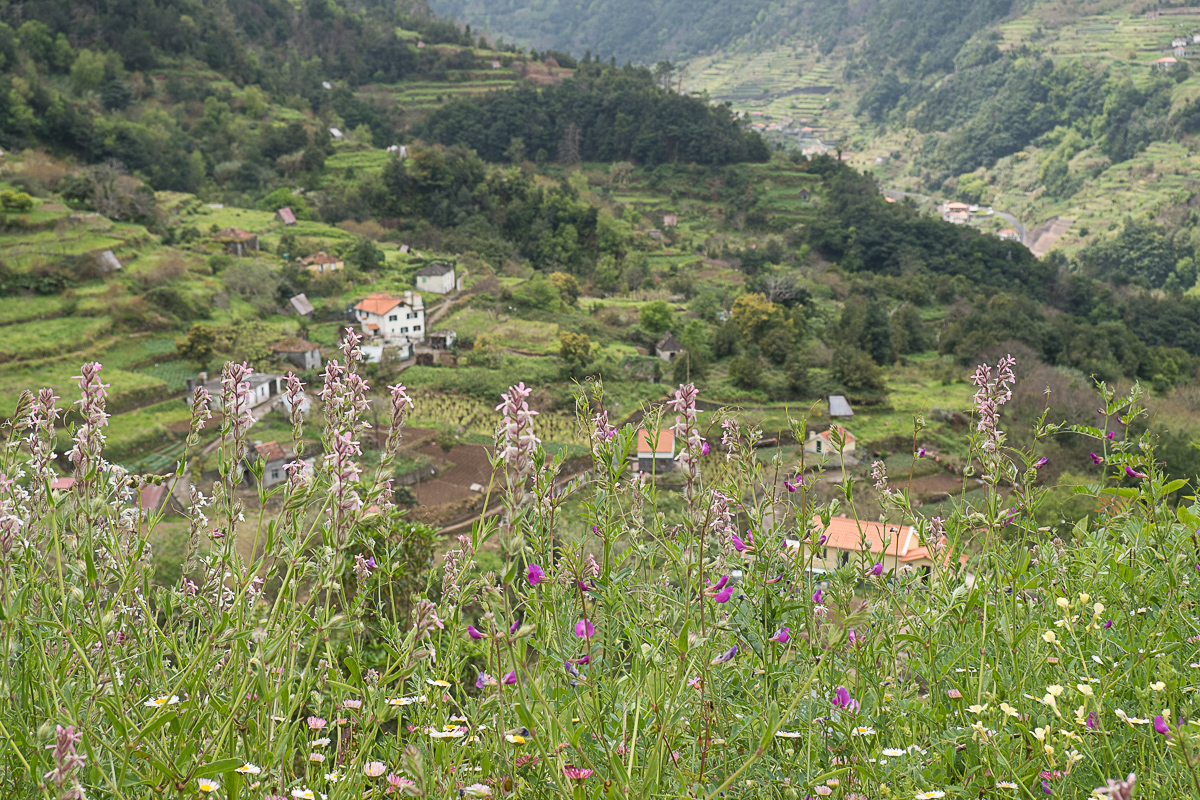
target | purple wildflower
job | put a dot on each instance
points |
(484, 680)
(1133, 473)
(1118, 790)
(1097, 460)
(509, 678)
(1109, 435)
(818, 597)
(66, 763)
(726, 657)
(536, 575)
(1107, 624)
(571, 670)
(584, 628)
(1041, 462)
(1091, 721)
(474, 632)
(723, 595)
(704, 449)
(877, 570)
(1046, 787)
(1160, 726)
(363, 567)
(921, 453)
(843, 700)
(782, 635)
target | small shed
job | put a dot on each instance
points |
(398, 150)
(495, 65)
(839, 407)
(656, 453)
(304, 355)
(442, 340)
(654, 233)
(108, 262)
(670, 220)
(335, 133)
(804, 193)
(301, 306)
(668, 347)
(285, 216)
(322, 263)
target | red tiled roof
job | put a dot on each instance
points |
(270, 451)
(828, 435)
(151, 496)
(286, 216)
(293, 346)
(324, 258)
(843, 534)
(233, 235)
(665, 443)
(378, 304)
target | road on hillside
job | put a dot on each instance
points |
(1009, 218)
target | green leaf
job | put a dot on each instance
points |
(217, 767)
(1174, 486)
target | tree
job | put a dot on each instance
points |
(908, 331)
(657, 317)
(537, 292)
(877, 334)
(366, 256)
(690, 365)
(567, 286)
(198, 347)
(575, 349)
(779, 343)
(754, 314)
(15, 201)
(795, 371)
(856, 370)
(746, 371)
(285, 198)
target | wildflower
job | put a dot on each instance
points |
(742, 545)
(584, 629)
(842, 699)
(316, 723)
(1108, 624)
(954, 694)
(877, 570)
(1009, 710)
(934, 795)
(509, 678)
(477, 790)
(788, 734)
(1158, 686)
(1133, 473)
(1161, 727)
(304, 794)
(1091, 720)
(1055, 690)
(823, 791)
(893, 752)
(1063, 603)
(818, 597)
(781, 636)
(704, 449)
(407, 701)
(862, 731)
(514, 738)
(155, 702)
(333, 777)
(353, 704)
(316, 758)
(1085, 690)
(363, 567)
(474, 632)
(791, 487)
(1097, 460)
(484, 680)
(1005, 785)
(725, 657)
(577, 773)
(536, 575)
(248, 769)
(456, 733)
(1118, 790)
(1046, 787)
(1041, 462)
(1049, 638)
(977, 709)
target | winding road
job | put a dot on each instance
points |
(1009, 218)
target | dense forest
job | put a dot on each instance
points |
(602, 114)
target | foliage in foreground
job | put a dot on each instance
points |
(651, 661)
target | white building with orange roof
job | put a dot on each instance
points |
(823, 443)
(848, 541)
(392, 320)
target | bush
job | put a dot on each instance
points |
(856, 370)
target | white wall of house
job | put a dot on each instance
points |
(400, 322)
(438, 284)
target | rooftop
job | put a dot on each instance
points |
(669, 343)
(233, 235)
(293, 346)
(665, 443)
(378, 303)
(434, 271)
(286, 216)
(839, 407)
(270, 451)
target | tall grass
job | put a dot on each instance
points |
(296, 657)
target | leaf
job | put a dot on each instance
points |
(1174, 486)
(682, 644)
(217, 767)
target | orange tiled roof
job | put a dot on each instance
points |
(665, 444)
(270, 451)
(378, 304)
(843, 534)
(827, 435)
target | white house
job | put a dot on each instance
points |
(392, 319)
(264, 387)
(822, 443)
(436, 278)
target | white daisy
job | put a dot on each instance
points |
(207, 786)
(164, 700)
(863, 731)
(248, 769)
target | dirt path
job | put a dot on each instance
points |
(1045, 236)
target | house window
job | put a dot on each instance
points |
(413, 315)
(404, 330)
(416, 327)
(274, 474)
(393, 317)
(845, 558)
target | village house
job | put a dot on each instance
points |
(845, 539)
(277, 458)
(1008, 234)
(822, 443)
(393, 319)
(398, 150)
(668, 347)
(442, 340)
(804, 193)
(304, 355)
(1166, 63)
(670, 221)
(1179, 43)
(1180, 52)
(237, 242)
(322, 263)
(300, 306)
(656, 456)
(264, 389)
(335, 133)
(436, 278)
(285, 216)
(108, 262)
